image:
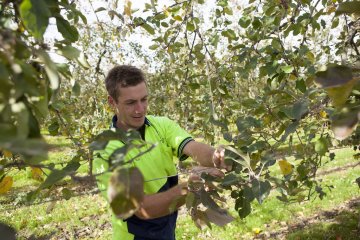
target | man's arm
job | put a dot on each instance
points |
(163, 203)
(206, 155)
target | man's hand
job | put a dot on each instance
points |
(195, 182)
(206, 155)
(218, 159)
(197, 171)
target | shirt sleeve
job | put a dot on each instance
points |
(176, 137)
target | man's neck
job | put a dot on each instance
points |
(141, 129)
(122, 126)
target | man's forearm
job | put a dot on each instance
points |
(200, 152)
(163, 203)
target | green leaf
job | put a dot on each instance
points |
(348, 8)
(289, 130)
(321, 146)
(53, 128)
(56, 175)
(230, 34)
(256, 23)
(334, 76)
(40, 105)
(58, 105)
(345, 122)
(100, 9)
(248, 193)
(335, 23)
(154, 47)
(35, 15)
(320, 191)
(231, 154)
(270, 11)
(339, 95)
(160, 16)
(227, 136)
(64, 70)
(148, 28)
(28, 148)
(103, 138)
(194, 86)
(67, 193)
(68, 31)
(118, 156)
(113, 13)
(190, 200)
(261, 189)
(229, 180)
(190, 26)
(4, 82)
(300, 108)
(8, 132)
(219, 217)
(243, 206)
(207, 201)
(300, 85)
(50, 68)
(244, 124)
(78, 13)
(126, 191)
(165, 24)
(244, 21)
(73, 53)
(178, 18)
(358, 181)
(303, 171)
(200, 219)
(228, 11)
(287, 69)
(76, 89)
(258, 145)
(82, 60)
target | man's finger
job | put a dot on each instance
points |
(210, 170)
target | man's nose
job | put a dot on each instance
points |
(139, 107)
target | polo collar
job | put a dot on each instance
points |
(114, 120)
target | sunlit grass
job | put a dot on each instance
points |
(67, 215)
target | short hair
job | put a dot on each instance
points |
(122, 76)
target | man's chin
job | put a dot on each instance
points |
(138, 122)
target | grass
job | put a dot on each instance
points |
(273, 214)
(86, 215)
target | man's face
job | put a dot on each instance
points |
(131, 106)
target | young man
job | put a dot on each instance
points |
(128, 96)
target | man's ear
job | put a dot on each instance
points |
(111, 101)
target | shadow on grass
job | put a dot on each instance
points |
(9, 233)
(60, 147)
(337, 224)
(344, 226)
(46, 237)
(79, 186)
